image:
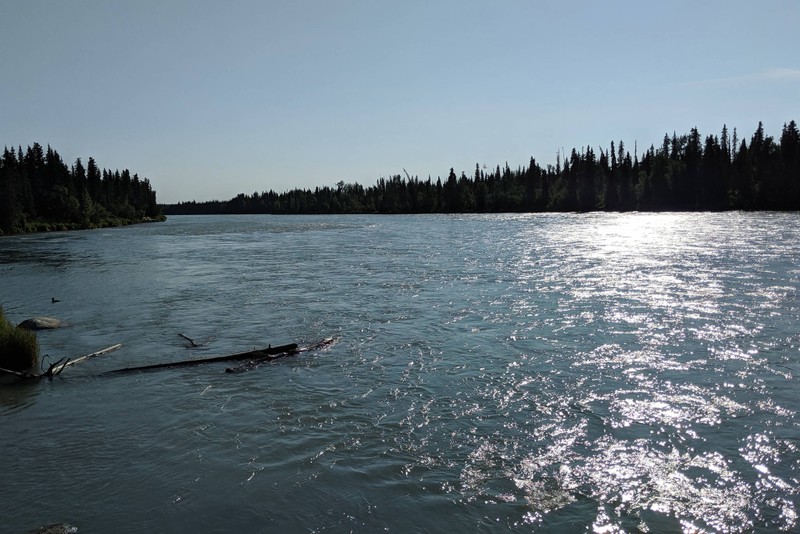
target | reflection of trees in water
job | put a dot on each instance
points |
(44, 250)
(21, 256)
(54, 251)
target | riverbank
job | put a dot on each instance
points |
(63, 226)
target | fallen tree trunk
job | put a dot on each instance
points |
(254, 363)
(268, 353)
(252, 359)
(56, 368)
(17, 373)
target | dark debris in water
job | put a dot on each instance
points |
(57, 528)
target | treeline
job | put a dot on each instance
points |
(687, 172)
(38, 191)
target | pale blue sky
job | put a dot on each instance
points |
(209, 99)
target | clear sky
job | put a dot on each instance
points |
(209, 99)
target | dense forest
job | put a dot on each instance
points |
(39, 192)
(684, 173)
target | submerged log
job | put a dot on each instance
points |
(254, 363)
(252, 359)
(267, 353)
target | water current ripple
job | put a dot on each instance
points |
(548, 373)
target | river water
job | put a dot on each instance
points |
(526, 373)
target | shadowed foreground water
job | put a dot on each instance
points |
(548, 373)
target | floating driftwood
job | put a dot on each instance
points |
(253, 358)
(56, 368)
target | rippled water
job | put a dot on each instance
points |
(547, 373)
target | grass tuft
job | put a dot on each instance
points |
(19, 350)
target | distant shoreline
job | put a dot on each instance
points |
(684, 173)
(39, 227)
(728, 210)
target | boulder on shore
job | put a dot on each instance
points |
(41, 323)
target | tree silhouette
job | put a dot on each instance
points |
(686, 172)
(39, 192)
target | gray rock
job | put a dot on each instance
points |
(41, 323)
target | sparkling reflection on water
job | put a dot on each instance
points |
(551, 373)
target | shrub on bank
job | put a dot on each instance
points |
(19, 350)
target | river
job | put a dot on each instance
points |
(492, 373)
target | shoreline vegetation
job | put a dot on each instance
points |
(684, 173)
(19, 347)
(40, 193)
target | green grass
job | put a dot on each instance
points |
(19, 350)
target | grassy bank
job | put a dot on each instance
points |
(19, 350)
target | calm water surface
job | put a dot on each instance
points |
(531, 373)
